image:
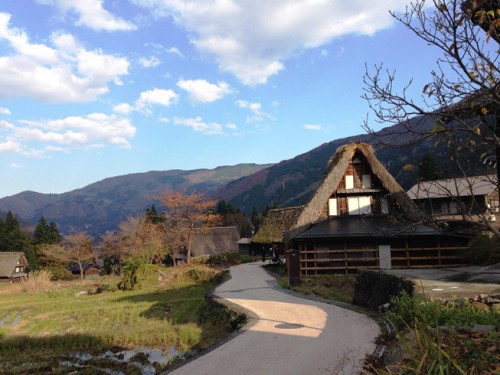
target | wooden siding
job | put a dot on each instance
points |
(347, 255)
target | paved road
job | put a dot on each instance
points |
(454, 282)
(286, 334)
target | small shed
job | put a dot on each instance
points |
(13, 266)
(245, 246)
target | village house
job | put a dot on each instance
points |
(359, 217)
(459, 199)
(13, 266)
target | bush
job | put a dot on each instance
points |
(373, 289)
(482, 250)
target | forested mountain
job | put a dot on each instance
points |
(101, 206)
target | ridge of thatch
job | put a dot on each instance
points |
(277, 224)
(336, 169)
(214, 240)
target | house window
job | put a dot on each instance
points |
(19, 269)
(332, 207)
(449, 208)
(366, 181)
(359, 205)
(384, 205)
(349, 182)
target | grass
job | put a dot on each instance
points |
(333, 287)
(41, 328)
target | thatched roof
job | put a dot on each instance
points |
(216, 240)
(281, 225)
(276, 224)
(9, 261)
(336, 169)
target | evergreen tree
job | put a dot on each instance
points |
(256, 220)
(152, 215)
(54, 236)
(40, 235)
(428, 169)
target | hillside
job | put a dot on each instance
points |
(101, 206)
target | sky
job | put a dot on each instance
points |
(91, 89)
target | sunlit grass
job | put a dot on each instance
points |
(56, 323)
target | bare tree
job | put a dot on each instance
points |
(136, 237)
(76, 248)
(463, 95)
(186, 212)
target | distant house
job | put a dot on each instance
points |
(245, 246)
(359, 217)
(90, 271)
(13, 266)
(469, 198)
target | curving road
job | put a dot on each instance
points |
(285, 334)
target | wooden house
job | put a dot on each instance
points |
(473, 199)
(359, 217)
(13, 266)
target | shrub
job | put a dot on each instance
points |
(39, 281)
(373, 289)
(482, 250)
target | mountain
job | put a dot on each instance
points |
(101, 206)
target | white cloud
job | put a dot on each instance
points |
(232, 126)
(4, 111)
(202, 91)
(123, 109)
(91, 14)
(150, 62)
(66, 72)
(313, 127)
(156, 97)
(16, 166)
(36, 138)
(198, 125)
(256, 108)
(252, 39)
(10, 146)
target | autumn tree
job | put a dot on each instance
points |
(76, 248)
(186, 212)
(461, 101)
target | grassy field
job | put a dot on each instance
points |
(57, 327)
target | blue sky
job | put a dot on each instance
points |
(91, 89)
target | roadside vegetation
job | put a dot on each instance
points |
(90, 327)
